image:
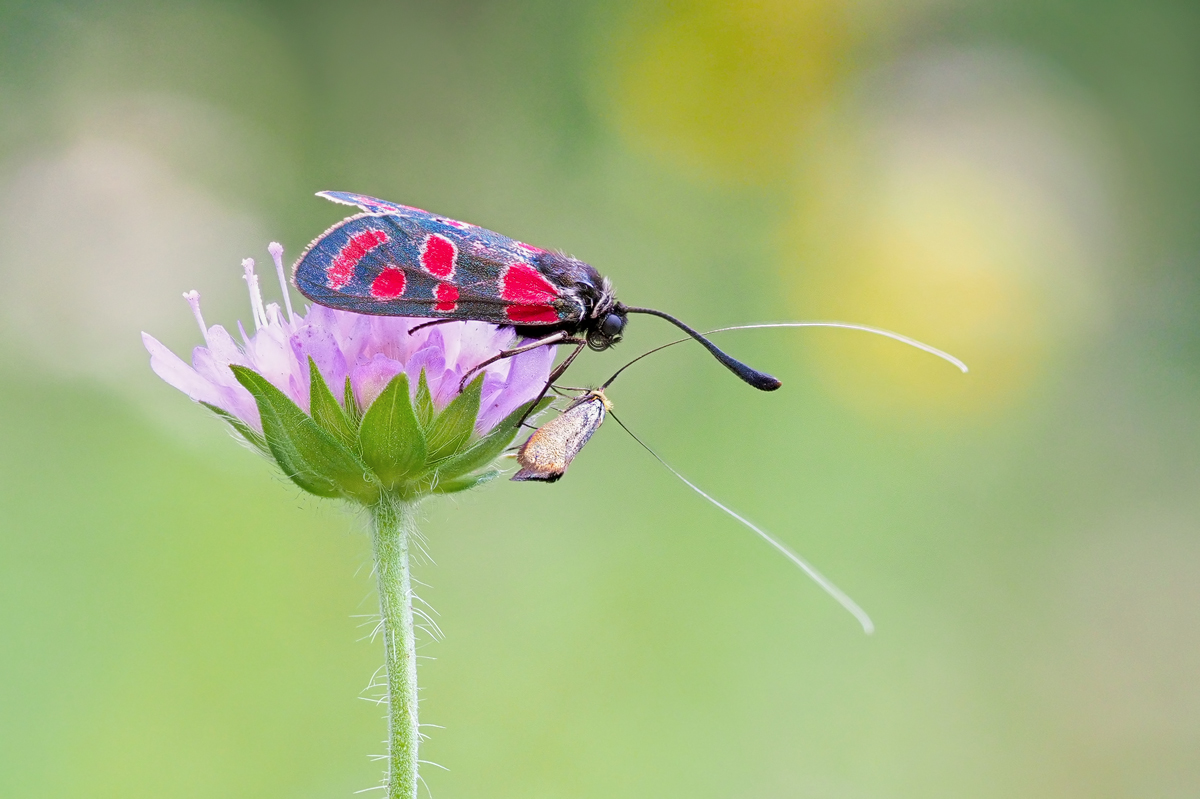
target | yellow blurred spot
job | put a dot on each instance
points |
(724, 87)
(929, 229)
(946, 270)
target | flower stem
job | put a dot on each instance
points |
(393, 524)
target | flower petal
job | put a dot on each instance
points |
(370, 378)
(526, 378)
(432, 361)
(270, 353)
(350, 331)
(479, 341)
(171, 368)
(234, 398)
(224, 348)
(322, 347)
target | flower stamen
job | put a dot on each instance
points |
(256, 302)
(276, 250)
(193, 299)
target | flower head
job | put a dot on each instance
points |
(357, 406)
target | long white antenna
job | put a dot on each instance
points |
(878, 331)
(820, 579)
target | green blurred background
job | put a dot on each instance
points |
(1018, 183)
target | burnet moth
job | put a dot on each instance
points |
(548, 452)
(395, 260)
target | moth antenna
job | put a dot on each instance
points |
(760, 380)
(820, 579)
(878, 331)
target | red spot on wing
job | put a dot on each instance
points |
(524, 285)
(530, 293)
(437, 256)
(389, 284)
(341, 271)
(530, 248)
(447, 297)
(531, 314)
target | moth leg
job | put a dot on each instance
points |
(558, 337)
(561, 369)
(558, 372)
(424, 325)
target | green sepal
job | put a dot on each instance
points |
(244, 430)
(350, 404)
(423, 403)
(452, 428)
(467, 481)
(324, 408)
(311, 457)
(392, 441)
(488, 448)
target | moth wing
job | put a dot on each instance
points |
(370, 205)
(393, 260)
(548, 452)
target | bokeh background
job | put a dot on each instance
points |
(1017, 182)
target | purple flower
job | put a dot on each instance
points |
(369, 350)
(358, 408)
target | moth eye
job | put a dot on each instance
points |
(612, 326)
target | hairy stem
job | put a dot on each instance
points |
(393, 524)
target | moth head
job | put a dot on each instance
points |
(607, 330)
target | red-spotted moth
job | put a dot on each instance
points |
(394, 260)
